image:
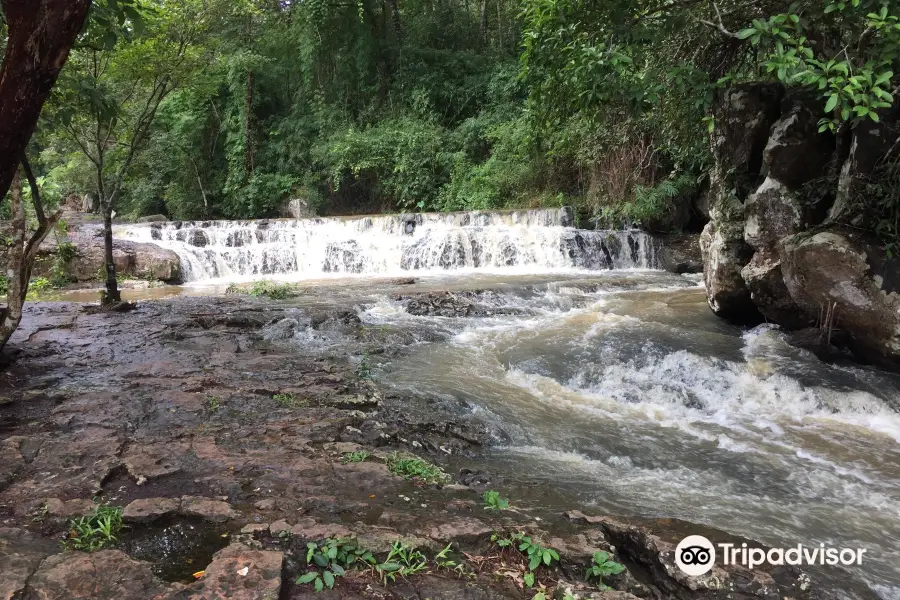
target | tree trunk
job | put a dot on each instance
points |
(484, 8)
(18, 278)
(249, 158)
(22, 254)
(112, 294)
(41, 33)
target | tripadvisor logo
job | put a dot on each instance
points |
(695, 555)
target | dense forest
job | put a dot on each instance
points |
(226, 108)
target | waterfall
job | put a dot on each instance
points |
(524, 240)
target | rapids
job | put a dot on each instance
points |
(614, 386)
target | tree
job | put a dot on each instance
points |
(24, 247)
(113, 90)
(41, 34)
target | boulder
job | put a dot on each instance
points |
(679, 253)
(796, 153)
(744, 116)
(140, 260)
(763, 277)
(724, 256)
(772, 212)
(836, 267)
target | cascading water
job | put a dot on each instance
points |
(532, 240)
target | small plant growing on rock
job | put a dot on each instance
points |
(401, 561)
(334, 557)
(443, 561)
(414, 469)
(212, 404)
(93, 532)
(364, 368)
(532, 549)
(602, 567)
(287, 400)
(493, 501)
(355, 457)
(274, 291)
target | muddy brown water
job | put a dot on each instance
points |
(622, 393)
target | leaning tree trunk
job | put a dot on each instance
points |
(41, 32)
(22, 252)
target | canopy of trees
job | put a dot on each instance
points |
(225, 108)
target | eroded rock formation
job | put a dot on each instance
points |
(782, 242)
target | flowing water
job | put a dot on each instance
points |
(615, 388)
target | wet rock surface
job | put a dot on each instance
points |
(228, 453)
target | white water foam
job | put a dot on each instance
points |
(525, 241)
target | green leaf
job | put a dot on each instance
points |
(306, 578)
(321, 560)
(744, 34)
(329, 579)
(338, 569)
(831, 104)
(319, 586)
(534, 562)
(529, 579)
(389, 567)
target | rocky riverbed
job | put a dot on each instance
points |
(229, 452)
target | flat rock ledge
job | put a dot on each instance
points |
(148, 510)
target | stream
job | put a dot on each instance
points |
(616, 389)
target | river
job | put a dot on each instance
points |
(615, 388)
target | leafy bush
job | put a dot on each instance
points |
(94, 532)
(414, 468)
(332, 558)
(493, 501)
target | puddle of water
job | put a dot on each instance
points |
(176, 548)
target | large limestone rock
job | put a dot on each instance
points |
(134, 259)
(836, 267)
(744, 116)
(724, 255)
(763, 277)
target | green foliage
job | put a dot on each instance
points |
(331, 559)
(602, 566)
(493, 501)
(96, 531)
(414, 468)
(4, 285)
(646, 203)
(535, 553)
(271, 290)
(402, 561)
(212, 403)
(38, 287)
(288, 400)
(855, 81)
(364, 368)
(355, 457)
